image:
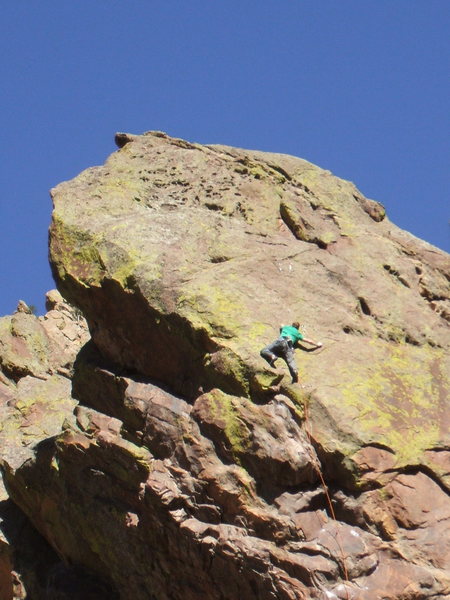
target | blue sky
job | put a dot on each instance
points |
(359, 87)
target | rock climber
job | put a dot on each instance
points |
(283, 347)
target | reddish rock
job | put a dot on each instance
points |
(170, 461)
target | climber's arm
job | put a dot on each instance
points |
(312, 342)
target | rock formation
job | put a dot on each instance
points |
(36, 360)
(169, 461)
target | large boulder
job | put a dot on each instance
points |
(190, 468)
(185, 258)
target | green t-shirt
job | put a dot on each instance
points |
(292, 332)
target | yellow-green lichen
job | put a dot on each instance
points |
(120, 187)
(231, 369)
(222, 309)
(119, 265)
(256, 332)
(264, 380)
(396, 402)
(27, 327)
(328, 237)
(75, 253)
(222, 408)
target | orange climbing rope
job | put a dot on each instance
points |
(319, 472)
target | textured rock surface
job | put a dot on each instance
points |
(36, 360)
(190, 469)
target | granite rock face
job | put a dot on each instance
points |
(191, 469)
